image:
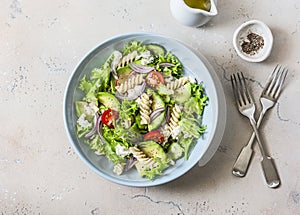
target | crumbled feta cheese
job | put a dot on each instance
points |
(145, 62)
(146, 54)
(192, 79)
(91, 108)
(146, 58)
(175, 132)
(138, 101)
(118, 169)
(187, 136)
(83, 122)
(122, 151)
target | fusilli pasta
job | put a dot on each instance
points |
(142, 157)
(128, 59)
(177, 83)
(130, 83)
(175, 115)
(145, 110)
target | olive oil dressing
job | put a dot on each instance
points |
(199, 4)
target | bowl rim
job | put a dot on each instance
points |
(269, 40)
(218, 131)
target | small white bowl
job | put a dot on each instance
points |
(259, 28)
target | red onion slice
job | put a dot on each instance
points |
(140, 68)
(156, 113)
(120, 96)
(165, 64)
(130, 163)
(168, 114)
(93, 131)
(99, 130)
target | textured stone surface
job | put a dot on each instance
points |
(40, 44)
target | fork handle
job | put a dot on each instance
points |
(268, 166)
(240, 167)
(270, 172)
(242, 162)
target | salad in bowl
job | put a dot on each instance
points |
(140, 110)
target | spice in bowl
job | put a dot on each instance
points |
(252, 43)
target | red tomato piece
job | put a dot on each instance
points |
(154, 78)
(155, 136)
(108, 117)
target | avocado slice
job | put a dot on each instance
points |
(79, 107)
(153, 150)
(157, 101)
(183, 93)
(109, 101)
(123, 74)
(156, 50)
(157, 121)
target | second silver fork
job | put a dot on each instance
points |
(246, 107)
(268, 99)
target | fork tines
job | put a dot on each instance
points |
(275, 81)
(241, 93)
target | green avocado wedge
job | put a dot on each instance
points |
(109, 101)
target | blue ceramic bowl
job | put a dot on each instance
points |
(194, 65)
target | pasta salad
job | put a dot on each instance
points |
(140, 111)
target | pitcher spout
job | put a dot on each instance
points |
(213, 9)
(192, 16)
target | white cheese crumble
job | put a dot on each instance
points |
(192, 79)
(91, 108)
(122, 151)
(83, 122)
(175, 132)
(118, 169)
(146, 58)
(138, 101)
(145, 54)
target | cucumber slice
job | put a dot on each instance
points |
(183, 93)
(175, 151)
(156, 50)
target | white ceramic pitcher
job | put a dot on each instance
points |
(191, 16)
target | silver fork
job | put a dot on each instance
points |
(268, 98)
(246, 107)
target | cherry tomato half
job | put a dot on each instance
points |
(155, 136)
(154, 78)
(108, 117)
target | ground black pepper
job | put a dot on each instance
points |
(252, 44)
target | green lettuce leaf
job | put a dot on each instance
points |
(96, 144)
(200, 98)
(151, 172)
(190, 126)
(176, 71)
(187, 144)
(134, 46)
